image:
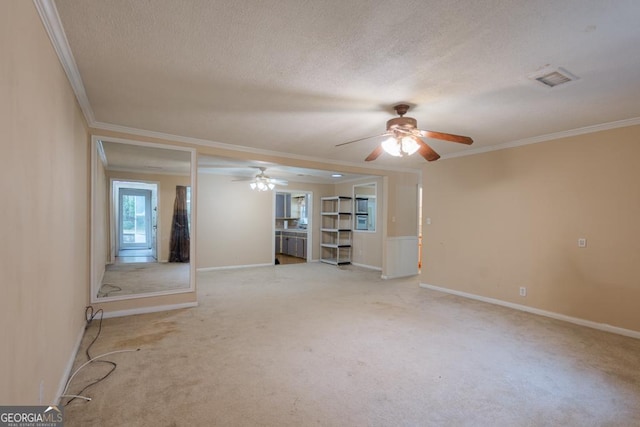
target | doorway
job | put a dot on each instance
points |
(292, 222)
(135, 221)
(134, 225)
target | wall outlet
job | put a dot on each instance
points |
(523, 291)
(582, 242)
(428, 221)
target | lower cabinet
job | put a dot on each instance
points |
(291, 243)
(300, 248)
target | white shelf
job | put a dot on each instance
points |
(334, 261)
(336, 230)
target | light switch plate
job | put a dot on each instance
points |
(582, 242)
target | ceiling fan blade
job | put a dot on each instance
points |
(374, 154)
(426, 151)
(362, 139)
(277, 181)
(446, 137)
(247, 178)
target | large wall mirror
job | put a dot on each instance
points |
(365, 202)
(142, 232)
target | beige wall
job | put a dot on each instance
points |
(366, 248)
(511, 218)
(235, 224)
(44, 262)
(166, 197)
(402, 204)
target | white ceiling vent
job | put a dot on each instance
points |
(553, 77)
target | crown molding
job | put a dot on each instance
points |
(52, 24)
(548, 137)
(51, 20)
(240, 148)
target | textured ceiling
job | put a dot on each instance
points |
(300, 76)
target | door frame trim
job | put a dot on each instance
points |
(148, 196)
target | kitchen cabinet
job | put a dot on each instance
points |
(292, 243)
(301, 247)
(283, 205)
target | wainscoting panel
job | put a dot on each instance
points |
(401, 257)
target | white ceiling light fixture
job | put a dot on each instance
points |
(262, 182)
(399, 146)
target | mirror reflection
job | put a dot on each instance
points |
(141, 220)
(364, 196)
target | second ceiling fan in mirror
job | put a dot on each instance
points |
(262, 182)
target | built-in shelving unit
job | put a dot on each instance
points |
(336, 212)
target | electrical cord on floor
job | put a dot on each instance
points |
(105, 294)
(90, 315)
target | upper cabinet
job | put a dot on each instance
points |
(291, 206)
(283, 205)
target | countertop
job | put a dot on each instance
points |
(293, 230)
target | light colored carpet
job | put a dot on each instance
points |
(139, 278)
(313, 344)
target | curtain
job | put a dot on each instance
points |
(179, 243)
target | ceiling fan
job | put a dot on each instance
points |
(262, 182)
(404, 138)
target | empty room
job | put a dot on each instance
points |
(292, 213)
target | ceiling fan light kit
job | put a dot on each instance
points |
(262, 182)
(261, 185)
(404, 138)
(400, 147)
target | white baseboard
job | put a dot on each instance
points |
(232, 267)
(558, 316)
(67, 369)
(385, 277)
(368, 267)
(144, 310)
